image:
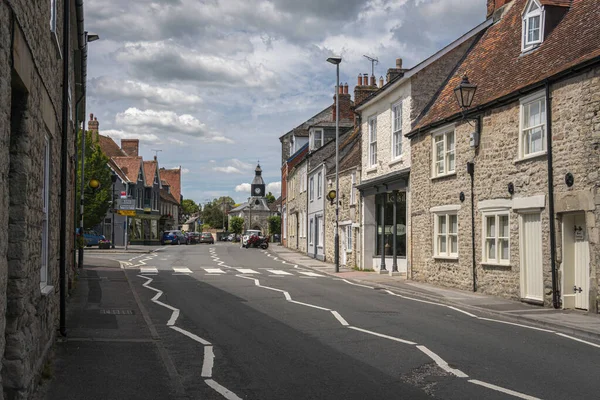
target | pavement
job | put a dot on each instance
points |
(134, 249)
(566, 321)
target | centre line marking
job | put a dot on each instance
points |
(228, 394)
(441, 363)
(339, 318)
(503, 390)
(209, 360)
(383, 336)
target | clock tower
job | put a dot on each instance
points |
(257, 188)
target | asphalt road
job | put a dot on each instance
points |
(239, 324)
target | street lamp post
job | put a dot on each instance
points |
(113, 177)
(336, 60)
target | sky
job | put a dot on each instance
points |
(211, 85)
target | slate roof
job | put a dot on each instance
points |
(499, 68)
(130, 166)
(173, 179)
(168, 197)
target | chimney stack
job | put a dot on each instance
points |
(130, 146)
(373, 80)
(346, 113)
(360, 80)
(93, 125)
(363, 91)
(393, 73)
(346, 88)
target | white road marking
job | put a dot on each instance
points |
(247, 271)
(515, 324)
(174, 314)
(339, 318)
(228, 394)
(503, 390)
(441, 363)
(309, 273)
(356, 284)
(278, 272)
(191, 336)
(307, 277)
(182, 270)
(413, 299)
(578, 340)
(209, 360)
(214, 270)
(310, 305)
(463, 311)
(382, 335)
(148, 270)
(276, 276)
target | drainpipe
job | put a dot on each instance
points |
(471, 171)
(555, 291)
(63, 167)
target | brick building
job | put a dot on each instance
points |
(37, 135)
(512, 207)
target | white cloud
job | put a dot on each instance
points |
(185, 170)
(144, 137)
(243, 188)
(227, 170)
(274, 188)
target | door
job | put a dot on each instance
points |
(532, 273)
(343, 245)
(317, 232)
(576, 262)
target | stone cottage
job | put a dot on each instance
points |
(506, 191)
(40, 109)
(296, 205)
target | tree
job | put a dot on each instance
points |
(98, 201)
(237, 225)
(274, 224)
(189, 207)
(270, 198)
(215, 212)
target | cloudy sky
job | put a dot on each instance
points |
(213, 84)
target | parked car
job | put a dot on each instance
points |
(92, 238)
(207, 237)
(231, 237)
(249, 233)
(173, 237)
(193, 237)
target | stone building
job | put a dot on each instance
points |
(170, 195)
(296, 205)
(38, 121)
(387, 113)
(349, 206)
(506, 192)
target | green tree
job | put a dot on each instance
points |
(98, 201)
(189, 207)
(270, 198)
(274, 224)
(237, 225)
(215, 212)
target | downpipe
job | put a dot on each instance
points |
(556, 302)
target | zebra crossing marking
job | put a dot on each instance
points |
(278, 272)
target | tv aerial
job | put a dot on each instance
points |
(373, 61)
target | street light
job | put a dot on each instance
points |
(113, 177)
(465, 92)
(336, 60)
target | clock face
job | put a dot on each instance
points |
(257, 190)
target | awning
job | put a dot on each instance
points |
(397, 180)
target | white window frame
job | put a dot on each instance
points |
(353, 189)
(540, 13)
(311, 193)
(319, 185)
(396, 130)
(313, 135)
(311, 234)
(349, 238)
(372, 122)
(321, 234)
(448, 153)
(446, 236)
(44, 278)
(524, 103)
(496, 214)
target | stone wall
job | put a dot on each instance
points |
(576, 143)
(296, 207)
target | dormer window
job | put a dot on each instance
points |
(316, 139)
(533, 25)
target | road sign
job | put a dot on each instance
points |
(126, 204)
(128, 213)
(123, 195)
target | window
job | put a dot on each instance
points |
(53, 16)
(446, 235)
(45, 214)
(311, 193)
(533, 125)
(533, 25)
(387, 226)
(496, 236)
(319, 185)
(396, 130)
(372, 141)
(348, 238)
(317, 139)
(310, 231)
(443, 153)
(321, 238)
(353, 190)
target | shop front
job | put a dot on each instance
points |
(144, 229)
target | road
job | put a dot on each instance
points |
(238, 323)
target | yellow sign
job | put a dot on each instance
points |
(128, 213)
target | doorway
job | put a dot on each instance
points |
(576, 262)
(532, 273)
(343, 244)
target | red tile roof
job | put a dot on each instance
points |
(168, 197)
(558, 3)
(173, 179)
(109, 147)
(498, 68)
(150, 172)
(130, 166)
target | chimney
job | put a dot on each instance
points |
(373, 80)
(393, 73)
(360, 80)
(494, 5)
(346, 113)
(93, 127)
(130, 146)
(380, 82)
(346, 88)
(362, 92)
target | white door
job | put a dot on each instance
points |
(532, 273)
(343, 245)
(576, 262)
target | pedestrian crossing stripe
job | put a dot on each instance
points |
(214, 270)
(278, 272)
(148, 270)
(182, 270)
(309, 273)
(247, 271)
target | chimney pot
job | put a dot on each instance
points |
(346, 88)
(373, 80)
(91, 117)
(341, 89)
(366, 79)
(399, 63)
(381, 81)
(360, 80)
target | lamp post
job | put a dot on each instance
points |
(336, 60)
(113, 177)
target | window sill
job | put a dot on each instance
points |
(47, 290)
(531, 157)
(493, 264)
(450, 258)
(352, 205)
(396, 161)
(443, 176)
(371, 169)
(348, 251)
